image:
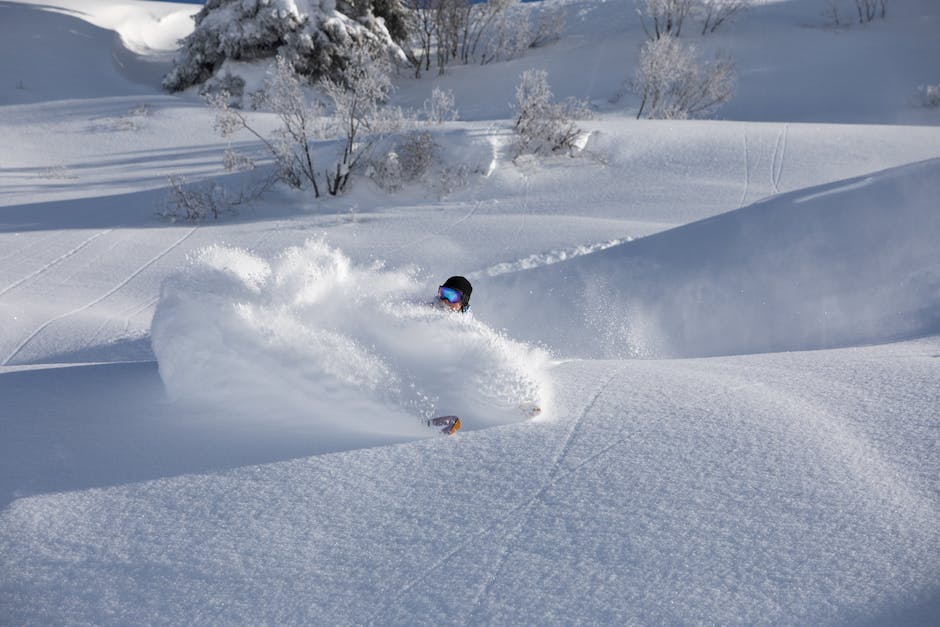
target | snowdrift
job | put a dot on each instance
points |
(74, 51)
(847, 263)
(786, 488)
(309, 337)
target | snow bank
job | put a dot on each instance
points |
(794, 489)
(310, 337)
(848, 263)
(144, 27)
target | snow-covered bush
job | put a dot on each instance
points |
(195, 202)
(664, 18)
(416, 158)
(199, 201)
(354, 112)
(465, 31)
(416, 153)
(360, 116)
(226, 83)
(832, 11)
(841, 12)
(453, 177)
(440, 107)
(510, 30)
(713, 13)
(313, 35)
(548, 27)
(234, 161)
(868, 10)
(510, 36)
(674, 84)
(386, 172)
(542, 125)
(927, 96)
(291, 143)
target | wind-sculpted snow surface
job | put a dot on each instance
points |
(309, 337)
(790, 487)
(848, 263)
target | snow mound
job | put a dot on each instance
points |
(143, 27)
(311, 338)
(83, 50)
(848, 263)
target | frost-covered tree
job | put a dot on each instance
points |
(359, 115)
(393, 14)
(422, 29)
(313, 35)
(664, 18)
(927, 96)
(440, 107)
(542, 125)
(450, 21)
(510, 34)
(674, 84)
(713, 13)
(466, 31)
(300, 121)
(354, 113)
(868, 10)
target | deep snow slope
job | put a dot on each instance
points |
(221, 422)
(112, 48)
(791, 62)
(785, 488)
(850, 262)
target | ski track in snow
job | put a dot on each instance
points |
(747, 169)
(46, 267)
(132, 311)
(525, 205)
(780, 152)
(29, 338)
(458, 222)
(80, 555)
(512, 517)
(16, 252)
(127, 313)
(556, 473)
(774, 168)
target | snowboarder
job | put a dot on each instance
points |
(450, 424)
(454, 294)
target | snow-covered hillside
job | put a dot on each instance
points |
(732, 328)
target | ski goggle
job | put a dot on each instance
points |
(449, 294)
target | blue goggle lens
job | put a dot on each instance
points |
(450, 294)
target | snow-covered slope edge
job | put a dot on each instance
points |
(786, 488)
(851, 262)
(75, 51)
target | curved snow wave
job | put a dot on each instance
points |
(311, 338)
(849, 263)
(143, 28)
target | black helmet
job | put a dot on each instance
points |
(462, 284)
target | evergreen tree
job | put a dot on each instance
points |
(312, 35)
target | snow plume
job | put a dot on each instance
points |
(311, 338)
